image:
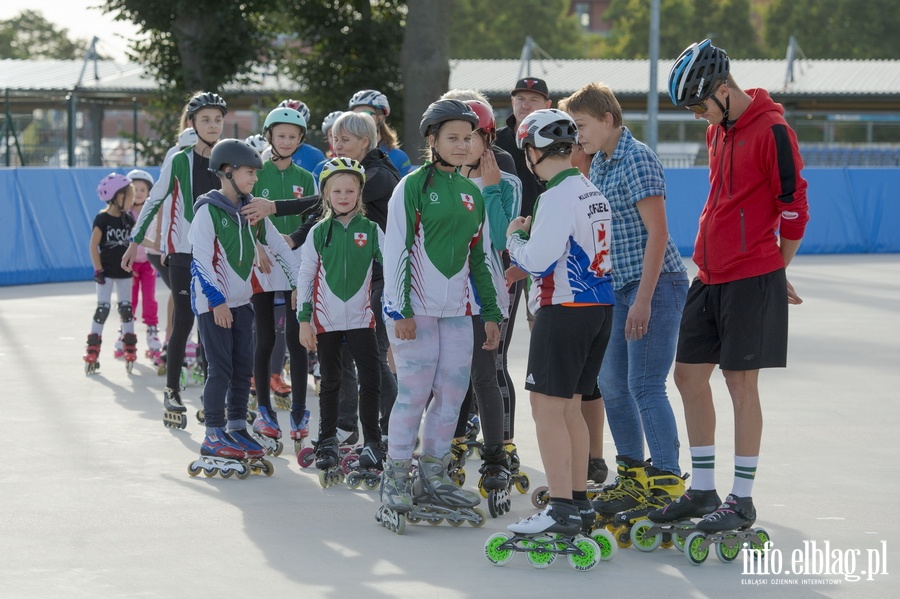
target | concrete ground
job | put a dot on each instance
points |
(95, 500)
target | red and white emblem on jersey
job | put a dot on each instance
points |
(361, 239)
(298, 191)
(468, 201)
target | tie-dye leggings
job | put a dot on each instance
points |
(438, 360)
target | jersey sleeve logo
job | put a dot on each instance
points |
(361, 239)
(298, 191)
(468, 201)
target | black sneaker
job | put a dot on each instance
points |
(327, 454)
(372, 456)
(693, 504)
(736, 513)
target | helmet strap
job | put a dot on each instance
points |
(725, 109)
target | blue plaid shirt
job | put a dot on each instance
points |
(631, 174)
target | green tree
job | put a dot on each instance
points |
(334, 48)
(630, 37)
(497, 29)
(30, 35)
(840, 29)
(728, 24)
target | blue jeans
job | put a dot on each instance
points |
(633, 376)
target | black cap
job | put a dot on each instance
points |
(531, 84)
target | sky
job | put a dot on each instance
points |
(82, 21)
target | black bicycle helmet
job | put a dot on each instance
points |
(697, 73)
(443, 111)
(206, 100)
(234, 153)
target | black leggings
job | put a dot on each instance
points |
(182, 316)
(364, 349)
(507, 387)
(162, 269)
(264, 309)
(483, 384)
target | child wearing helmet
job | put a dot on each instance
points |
(182, 180)
(223, 281)
(279, 180)
(305, 156)
(433, 245)
(334, 309)
(567, 254)
(109, 238)
(376, 105)
(144, 281)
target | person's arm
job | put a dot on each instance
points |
(202, 236)
(284, 257)
(398, 242)
(94, 250)
(298, 237)
(653, 214)
(536, 252)
(260, 208)
(306, 279)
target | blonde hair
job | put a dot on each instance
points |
(327, 210)
(594, 99)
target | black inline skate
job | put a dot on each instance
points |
(365, 467)
(174, 415)
(728, 528)
(495, 482)
(328, 462)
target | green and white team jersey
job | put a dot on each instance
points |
(224, 251)
(176, 201)
(279, 185)
(335, 281)
(433, 244)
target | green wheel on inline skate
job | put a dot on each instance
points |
(759, 547)
(641, 540)
(728, 553)
(591, 554)
(606, 543)
(540, 559)
(694, 551)
(678, 541)
(492, 551)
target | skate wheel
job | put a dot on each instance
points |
(694, 550)
(759, 545)
(353, 480)
(540, 497)
(226, 473)
(454, 522)
(193, 470)
(412, 519)
(523, 483)
(244, 472)
(347, 462)
(590, 557)
(606, 543)
(667, 541)
(678, 541)
(642, 540)
(540, 559)
(494, 508)
(279, 447)
(268, 468)
(306, 457)
(493, 551)
(324, 479)
(435, 521)
(728, 549)
(372, 483)
(480, 518)
(623, 536)
(209, 472)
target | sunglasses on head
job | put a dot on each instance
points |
(697, 108)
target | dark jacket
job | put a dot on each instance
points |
(531, 189)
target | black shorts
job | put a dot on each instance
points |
(566, 351)
(741, 325)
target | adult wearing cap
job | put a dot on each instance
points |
(530, 94)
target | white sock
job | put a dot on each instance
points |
(703, 465)
(744, 474)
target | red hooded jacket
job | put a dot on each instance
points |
(756, 192)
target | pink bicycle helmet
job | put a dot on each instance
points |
(112, 184)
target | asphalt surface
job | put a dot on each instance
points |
(95, 499)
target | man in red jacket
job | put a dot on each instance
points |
(736, 314)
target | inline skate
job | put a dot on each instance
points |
(365, 468)
(396, 498)
(327, 463)
(92, 354)
(675, 519)
(299, 431)
(436, 497)
(255, 459)
(281, 392)
(543, 537)
(456, 461)
(174, 415)
(624, 494)
(728, 528)
(660, 489)
(495, 482)
(219, 454)
(154, 347)
(266, 431)
(129, 350)
(519, 478)
(160, 361)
